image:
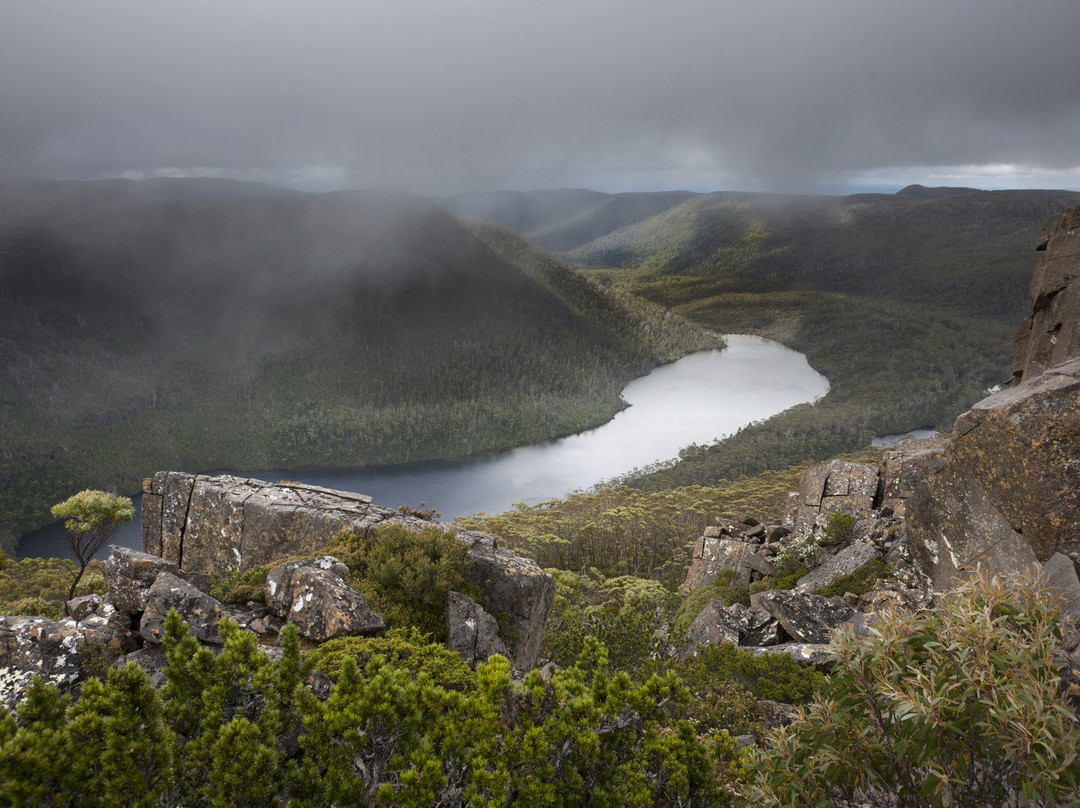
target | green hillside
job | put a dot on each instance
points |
(144, 331)
(907, 303)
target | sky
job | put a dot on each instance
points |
(446, 96)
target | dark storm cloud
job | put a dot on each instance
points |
(445, 96)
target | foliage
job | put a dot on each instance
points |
(405, 575)
(803, 549)
(240, 586)
(860, 582)
(957, 706)
(90, 518)
(404, 648)
(41, 585)
(776, 677)
(787, 575)
(839, 528)
(626, 614)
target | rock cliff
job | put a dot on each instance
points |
(209, 524)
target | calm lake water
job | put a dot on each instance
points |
(700, 398)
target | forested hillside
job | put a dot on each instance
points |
(237, 330)
(907, 303)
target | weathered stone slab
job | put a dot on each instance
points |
(312, 594)
(715, 625)
(471, 631)
(820, 655)
(849, 560)
(129, 575)
(200, 611)
(804, 617)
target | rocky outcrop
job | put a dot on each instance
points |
(847, 562)
(129, 575)
(312, 594)
(805, 618)
(839, 486)
(1050, 334)
(208, 524)
(1005, 495)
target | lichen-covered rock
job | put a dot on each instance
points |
(849, 560)
(805, 618)
(59, 651)
(711, 555)
(84, 606)
(210, 524)
(717, 623)
(201, 612)
(129, 575)
(820, 655)
(471, 631)
(312, 594)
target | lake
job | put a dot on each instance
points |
(699, 399)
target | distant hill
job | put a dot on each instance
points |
(186, 330)
(563, 219)
(907, 302)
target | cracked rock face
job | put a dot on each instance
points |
(471, 631)
(129, 575)
(806, 618)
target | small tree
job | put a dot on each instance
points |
(90, 518)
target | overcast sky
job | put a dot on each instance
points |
(452, 95)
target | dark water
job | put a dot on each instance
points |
(698, 399)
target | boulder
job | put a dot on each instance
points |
(471, 631)
(59, 651)
(715, 625)
(777, 713)
(82, 607)
(208, 524)
(804, 617)
(711, 555)
(849, 560)
(200, 611)
(820, 655)
(129, 575)
(312, 594)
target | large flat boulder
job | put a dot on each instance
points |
(806, 618)
(207, 524)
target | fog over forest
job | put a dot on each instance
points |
(442, 98)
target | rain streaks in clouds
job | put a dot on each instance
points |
(440, 97)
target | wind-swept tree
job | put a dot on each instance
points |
(90, 518)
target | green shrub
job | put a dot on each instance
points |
(957, 706)
(839, 528)
(239, 587)
(406, 575)
(35, 607)
(786, 577)
(401, 648)
(860, 582)
(25, 581)
(776, 677)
